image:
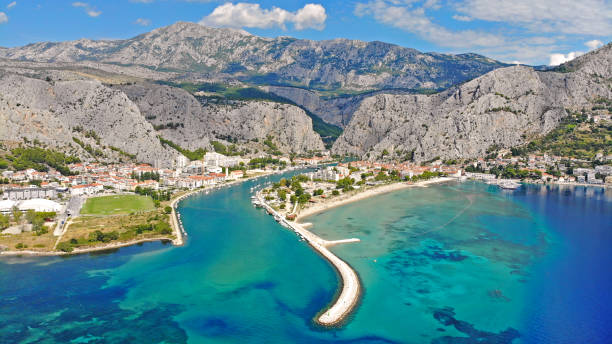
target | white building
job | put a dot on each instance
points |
(181, 161)
(86, 189)
(29, 193)
(39, 205)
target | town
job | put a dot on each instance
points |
(58, 198)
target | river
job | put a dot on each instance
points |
(444, 264)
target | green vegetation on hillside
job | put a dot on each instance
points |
(230, 150)
(197, 154)
(40, 159)
(576, 137)
(121, 204)
(87, 147)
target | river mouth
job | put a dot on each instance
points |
(243, 278)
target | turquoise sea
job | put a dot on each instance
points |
(453, 263)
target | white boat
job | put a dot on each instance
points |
(509, 185)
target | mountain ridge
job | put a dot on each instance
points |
(202, 52)
(503, 108)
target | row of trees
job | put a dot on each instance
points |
(262, 162)
(157, 195)
(145, 176)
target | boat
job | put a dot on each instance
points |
(509, 185)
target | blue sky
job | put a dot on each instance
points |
(526, 31)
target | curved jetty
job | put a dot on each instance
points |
(351, 288)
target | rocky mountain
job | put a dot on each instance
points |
(122, 119)
(337, 111)
(503, 108)
(193, 123)
(82, 117)
(192, 52)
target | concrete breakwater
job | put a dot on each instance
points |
(351, 288)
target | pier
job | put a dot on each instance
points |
(351, 288)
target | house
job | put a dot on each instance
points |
(17, 194)
(86, 189)
(234, 175)
(148, 184)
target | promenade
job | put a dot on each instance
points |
(351, 287)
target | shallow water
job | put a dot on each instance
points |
(444, 264)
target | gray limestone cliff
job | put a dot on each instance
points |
(56, 112)
(503, 108)
(193, 123)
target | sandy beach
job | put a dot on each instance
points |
(359, 194)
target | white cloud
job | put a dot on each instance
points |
(143, 22)
(594, 44)
(89, 10)
(462, 18)
(593, 17)
(530, 31)
(11, 5)
(311, 16)
(3, 18)
(414, 19)
(557, 59)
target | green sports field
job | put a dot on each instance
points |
(120, 204)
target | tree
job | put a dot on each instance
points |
(335, 192)
(380, 176)
(282, 194)
(16, 214)
(65, 247)
(4, 221)
(168, 209)
(163, 228)
(318, 192)
(30, 216)
(345, 183)
(304, 198)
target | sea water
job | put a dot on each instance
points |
(452, 263)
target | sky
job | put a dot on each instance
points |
(535, 32)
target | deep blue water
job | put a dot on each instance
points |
(455, 263)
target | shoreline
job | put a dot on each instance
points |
(175, 222)
(361, 195)
(350, 291)
(82, 251)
